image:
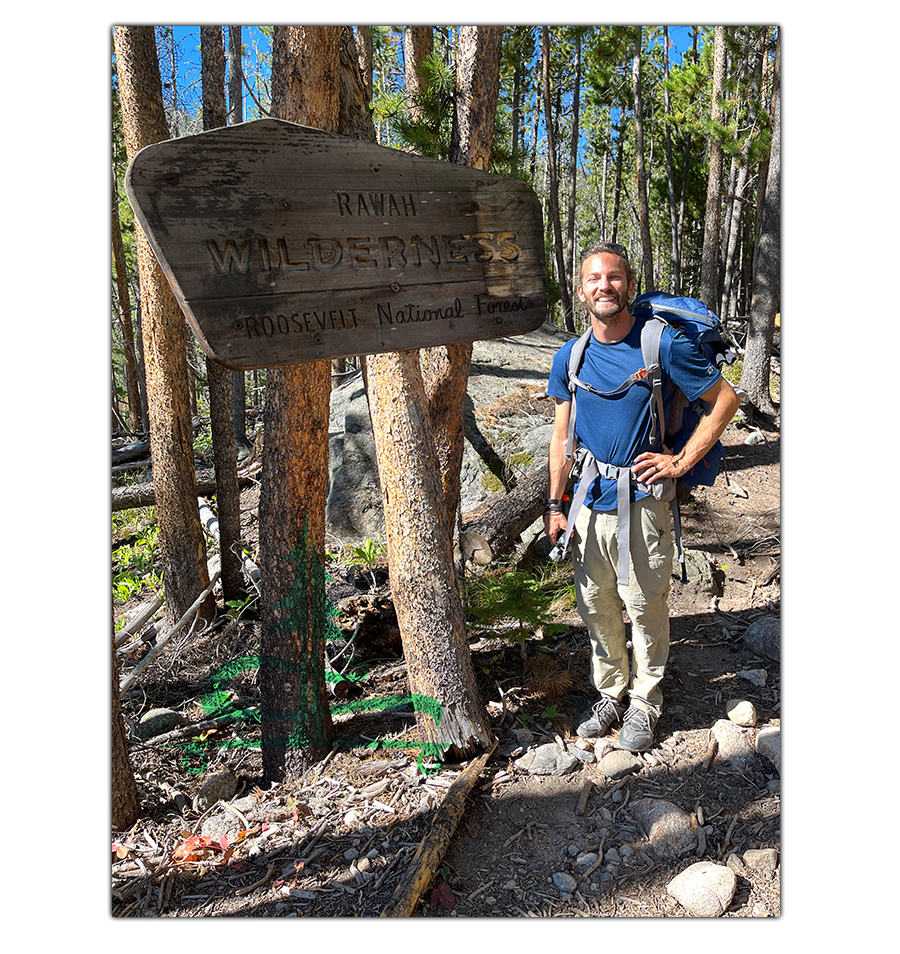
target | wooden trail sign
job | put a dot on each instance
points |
(286, 244)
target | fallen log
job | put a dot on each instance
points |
(143, 495)
(130, 452)
(496, 530)
(127, 682)
(434, 846)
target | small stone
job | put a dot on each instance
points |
(587, 859)
(351, 854)
(245, 804)
(734, 746)
(768, 744)
(619, 763)
(564, 882)
(763, 637)
(704, 889)
(225, 824)
(158, 721)
(764, 860)
(668, 828)
(547, 759)
(757, 677)
(612, 857)
(602, 747)
(741, 712)
(219, 787)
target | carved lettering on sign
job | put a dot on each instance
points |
(376, 203)
(319, 253)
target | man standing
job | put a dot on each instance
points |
(614, 425)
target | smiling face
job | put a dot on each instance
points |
(604, 289)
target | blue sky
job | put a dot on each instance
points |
(188, 38)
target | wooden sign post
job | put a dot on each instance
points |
(286, 244)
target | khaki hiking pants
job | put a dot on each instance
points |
(595, 555)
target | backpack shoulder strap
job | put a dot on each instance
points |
(576, 356)
(651, 334)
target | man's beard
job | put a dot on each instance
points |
(607, 310)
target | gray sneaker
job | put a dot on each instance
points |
(600, 718)
(637, 732)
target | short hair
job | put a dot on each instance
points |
(599, 248)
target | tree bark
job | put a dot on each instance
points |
(446, 368)
(643, 209)
(564, 291)
(675, 257)
(165, 347)
(131, 370)
(764, 304)
(709, 270)
(365, 53)
(296, 723)
(125, 801)
(235, 117)
(573, 162)
(418, 43)
(219, 378)
(423, 580)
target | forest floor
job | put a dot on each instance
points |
(337, 841)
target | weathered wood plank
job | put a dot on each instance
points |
(285, 243)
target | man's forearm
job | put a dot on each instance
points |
(710, 427)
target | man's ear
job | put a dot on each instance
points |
(580, 294)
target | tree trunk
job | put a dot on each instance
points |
(366, 57)
(643, 210)
(617, 190)
(235, 117)
(219, 378)
(125, 801)
(446, 368)
(131, 371)
(670, 176)
(709, 271)
(296, 726)
(418, 43)
(165, 348)
(764, 304)
(564, 291)
(573, 162)
(423, 580)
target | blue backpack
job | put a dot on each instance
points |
(703, 328)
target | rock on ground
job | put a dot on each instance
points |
(547, 759)
(668, 828)
(704, 889)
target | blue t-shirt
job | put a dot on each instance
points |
(617, 429)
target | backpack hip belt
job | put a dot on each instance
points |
(586, 467)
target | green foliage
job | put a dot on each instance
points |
(366, 555)
(134, 567)
(530, 599)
